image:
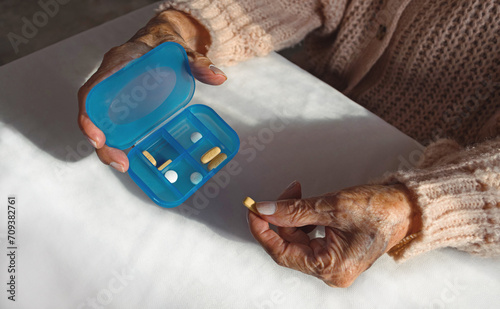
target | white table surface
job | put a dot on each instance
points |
(89, 238)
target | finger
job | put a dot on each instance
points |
(283, 252)
(292, 234)
(298, 212)
(293, 191)
(113, 157)
(201, 66)
(189, 33)
(318, 245)
(204, 70)
(89, 129)
(94, 135)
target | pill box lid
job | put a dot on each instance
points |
(134, 101)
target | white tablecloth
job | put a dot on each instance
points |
(88, 237)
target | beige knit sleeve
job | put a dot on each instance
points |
(242, 29)
(458, 193)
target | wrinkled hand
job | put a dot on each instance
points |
(171, 26)
(361, 224)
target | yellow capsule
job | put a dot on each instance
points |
(209, 155)
(250, 204)
(164, 165)
(217, 161)
(149, 157)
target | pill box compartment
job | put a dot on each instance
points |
(184, 153)
(136, 104)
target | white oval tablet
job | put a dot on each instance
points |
(196, 136)
(171, 176)
(196, 178)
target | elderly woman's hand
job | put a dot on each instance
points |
(361, 224)
(169, 25)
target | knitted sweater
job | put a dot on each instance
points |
(430, 68)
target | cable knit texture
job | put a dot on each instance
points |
(244, 29)
(441, 74)
(459, 198)
(430, 68)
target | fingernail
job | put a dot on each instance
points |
(117, 167)
(216, 70)
(266, 208)
(92, 142)
(290, 186)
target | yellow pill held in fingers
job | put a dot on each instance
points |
(250, 204)
(217, 161)
(164, 165)
(209, 155)
(149, 157)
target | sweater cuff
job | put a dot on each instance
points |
(235, 36)
(459, 199)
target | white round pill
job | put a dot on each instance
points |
(196, 136)
(196, 178)
(171, 176)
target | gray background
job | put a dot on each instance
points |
(73, 17)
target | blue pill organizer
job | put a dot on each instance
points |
(135, 107)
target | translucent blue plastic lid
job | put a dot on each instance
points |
(129, 104)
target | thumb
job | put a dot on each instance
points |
(204, 70)
(297, 212)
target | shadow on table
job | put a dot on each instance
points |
(42, 105)
(307, 151)
(313, 151)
